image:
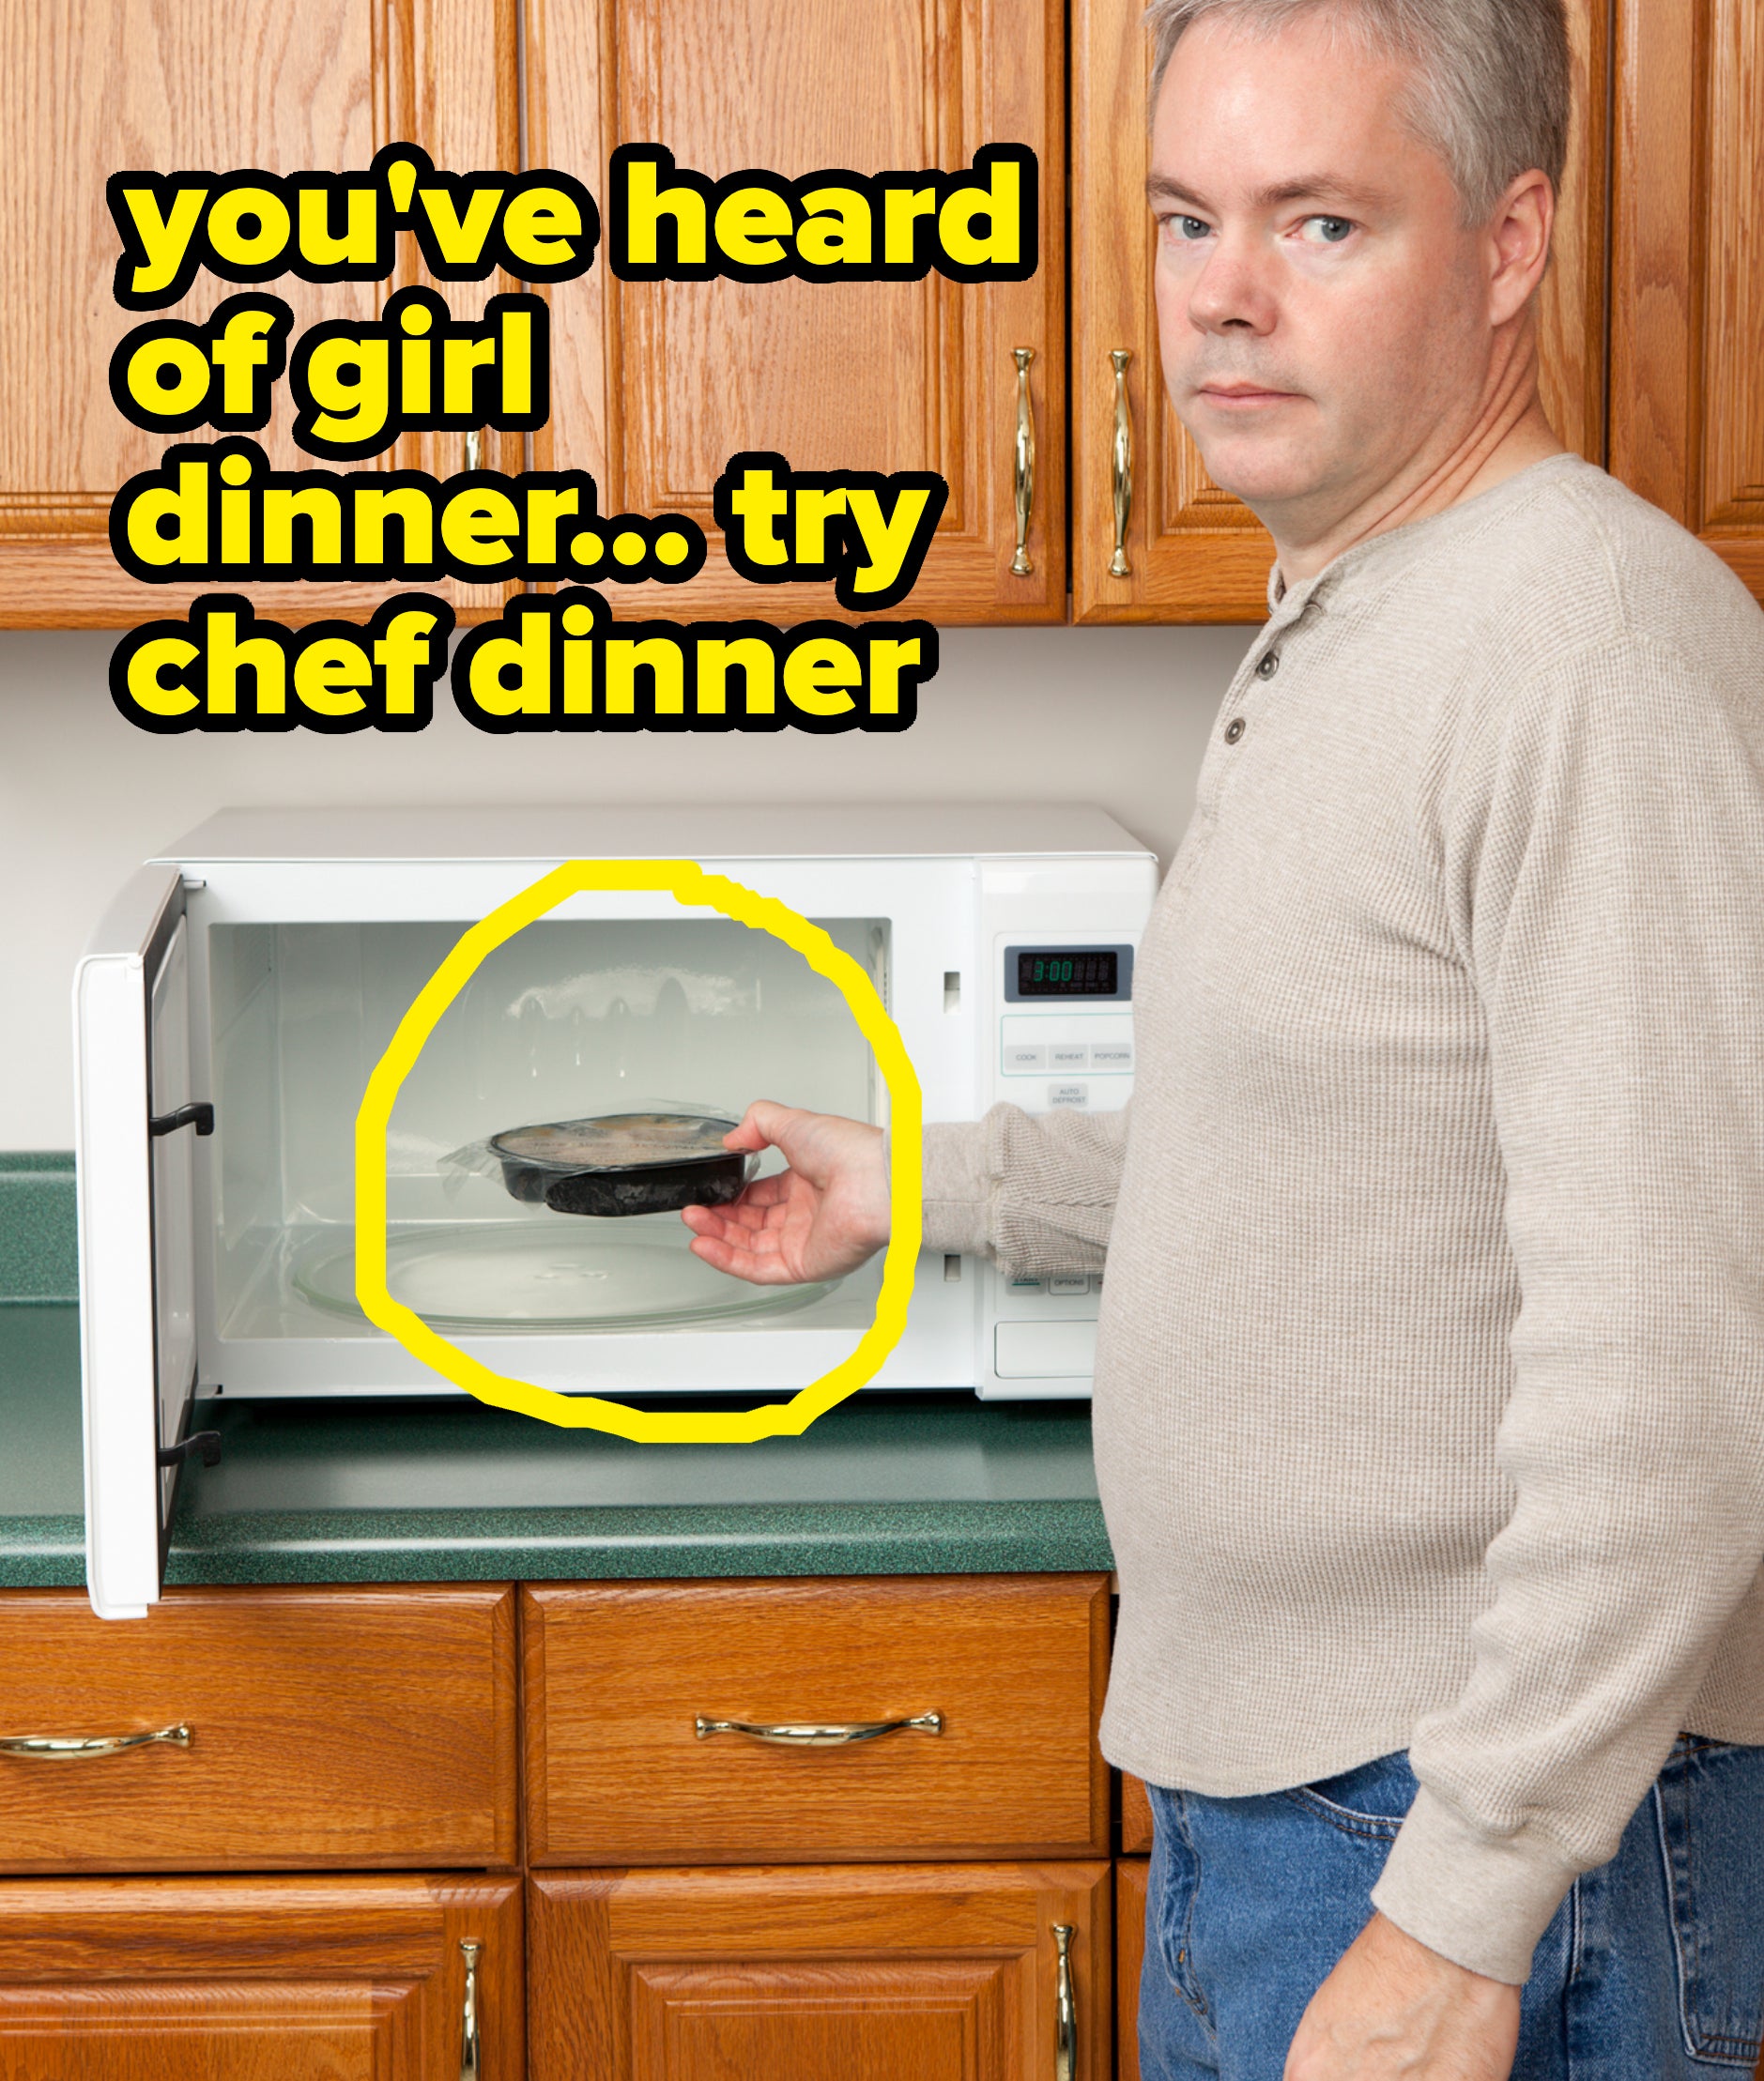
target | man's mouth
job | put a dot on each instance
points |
(1241, 396)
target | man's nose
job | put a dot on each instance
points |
(1232, 291)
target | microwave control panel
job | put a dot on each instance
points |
(1060, 1026)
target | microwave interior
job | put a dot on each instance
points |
(569, 1018)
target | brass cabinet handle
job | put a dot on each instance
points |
(810, 1735)
(50, 1748)
(470, 2069)
(1121, 464)
(1023, 463)
(474, 449)
(1065, 2009)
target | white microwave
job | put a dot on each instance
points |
(241, 988)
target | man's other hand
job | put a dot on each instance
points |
(817, 1220)
(1393, 2008)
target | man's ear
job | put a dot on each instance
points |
(1518, 244)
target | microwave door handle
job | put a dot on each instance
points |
(200, 1116)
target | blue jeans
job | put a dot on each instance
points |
(1653, 1967)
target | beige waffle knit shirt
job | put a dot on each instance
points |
(1429, 1377)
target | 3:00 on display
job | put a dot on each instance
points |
(1068, 972)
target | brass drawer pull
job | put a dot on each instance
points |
(468, 2066)
(1023, 463)
(812, 1735)
(49, 1749)
(1121, 464)
(1065, 2009)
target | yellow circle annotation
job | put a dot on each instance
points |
(689, 884)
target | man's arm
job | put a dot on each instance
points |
(1037, 1191)
(1607, 866)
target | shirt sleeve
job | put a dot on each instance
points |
(1605, 861)
(1035, 1191)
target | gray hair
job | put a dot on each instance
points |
(1492, 81)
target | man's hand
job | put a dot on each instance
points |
(1393, 2007)
(817, 1220)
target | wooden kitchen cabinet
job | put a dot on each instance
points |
(377, 1725)
(655, 386)
(92, 87)
(943, 1973)
(259, 1979)
(1687, 307)
(1193, 553)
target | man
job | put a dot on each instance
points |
(1430, 1382)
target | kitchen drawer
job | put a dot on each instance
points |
(326, 1727)
(618, 1676)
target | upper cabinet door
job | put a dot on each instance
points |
(91, 88)
(1191, 552)
(655, 386)
(1687, 313)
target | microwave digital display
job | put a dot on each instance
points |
(1090, 971)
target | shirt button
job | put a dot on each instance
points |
(1234, 729)
(1270, 664)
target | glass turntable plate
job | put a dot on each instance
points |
(501, 1276)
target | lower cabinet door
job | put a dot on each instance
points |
(879, 1972)
(260, 1980)
(1130, 1876)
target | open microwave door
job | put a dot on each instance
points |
(135, 1127)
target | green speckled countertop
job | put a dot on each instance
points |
(374, 1492)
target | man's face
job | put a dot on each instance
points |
(1324, 315)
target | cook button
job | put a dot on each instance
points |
(1023, 1056)
(1074, 1055)
(1069, 1095)
(1111, 1055)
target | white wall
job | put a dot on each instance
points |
(1112, 716)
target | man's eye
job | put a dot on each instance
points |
(1329, 231)
(1188, 229)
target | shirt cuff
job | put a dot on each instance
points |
(1481, 1901)
(957, 1192)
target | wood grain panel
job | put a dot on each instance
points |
(1195, 554)
(1131, 1875)
(615, 1674)
(1136, 1815)
(97, 86)
(1687, 378)
(1656, 316)
(329, 1727)
(249, 1980)
(1733, 465)
(940, 1972)
(657, 384)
